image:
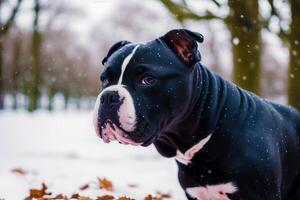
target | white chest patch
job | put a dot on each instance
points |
(212, 192)
(185, 158)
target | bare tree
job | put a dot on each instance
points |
(244, 25)
(15, 68)
(294, 65)
(291, 37)
(5, 26)
(34, 91)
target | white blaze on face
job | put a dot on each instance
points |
(215, 192)
(125, 63)
(126, 112)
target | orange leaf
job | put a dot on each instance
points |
(38, 193)
(19, 171)
(124, 198)
(74, 196)
(105, 197)
(84, 187)
(159, 197)
(105, 184)
(60, 197)
(84, 198)
(148, 197)
(164, 195)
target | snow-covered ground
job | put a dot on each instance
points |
(61, 149)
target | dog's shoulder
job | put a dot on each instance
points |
(288, 112)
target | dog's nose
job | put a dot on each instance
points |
(110, 97)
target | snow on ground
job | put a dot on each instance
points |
(62, 150)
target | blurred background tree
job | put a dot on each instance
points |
(50, 50)
(5, 26)
(244, 25)
(294, 66)
(290, 35)
(34, 91)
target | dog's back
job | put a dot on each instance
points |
(267, 131)
(292, 124)
(288, 112)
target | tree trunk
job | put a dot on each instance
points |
(66, 99)
(1, 76)
(1, 64)
(51, 93)
(4, 28)
(243, 23)
(294, 65)
(16, 70)
(34, 92)
(78, 102)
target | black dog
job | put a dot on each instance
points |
(229, 143)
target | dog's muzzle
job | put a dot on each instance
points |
(114, 115)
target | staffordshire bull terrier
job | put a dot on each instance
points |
(228, 142)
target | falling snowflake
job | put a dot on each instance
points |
(236, 41)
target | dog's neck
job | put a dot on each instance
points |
(209, 96)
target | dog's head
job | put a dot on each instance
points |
(146, 87)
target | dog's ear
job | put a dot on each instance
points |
(184, 44)
(114, 48)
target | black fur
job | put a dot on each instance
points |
(255, 144)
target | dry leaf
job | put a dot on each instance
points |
(84, 187)
(159, 197)
(19, 171)
(74, 196)
(164, 195)
(105, 197)
(36, 193)
(105, 184)
(61, 197)
(124, 198)
(84, 198)
(148, 197)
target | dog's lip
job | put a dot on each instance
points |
(111, 132)
(100, 131)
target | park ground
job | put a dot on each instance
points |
(61, 150)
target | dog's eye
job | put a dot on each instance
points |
(148, 80)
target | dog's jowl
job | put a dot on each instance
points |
(228, 143)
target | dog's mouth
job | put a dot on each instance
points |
(111, 132)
